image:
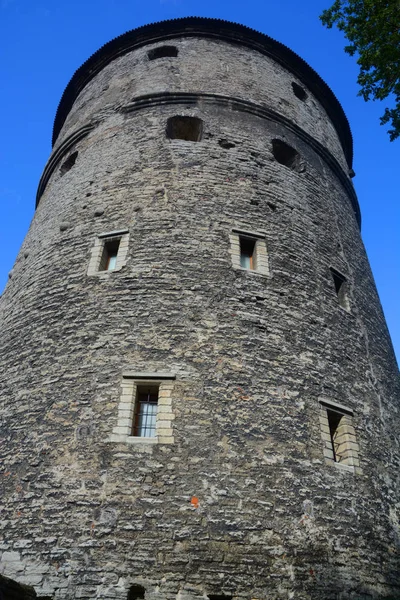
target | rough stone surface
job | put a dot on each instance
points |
(243, 503)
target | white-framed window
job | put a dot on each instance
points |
(109, 252)
(338, 435)
(249, 251)
(145, 409)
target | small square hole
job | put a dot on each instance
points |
(189, 129)
(163, 52)
(286, 155)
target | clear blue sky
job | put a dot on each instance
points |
(43, 42)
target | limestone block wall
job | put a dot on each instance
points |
(238, 493)
(224, 69)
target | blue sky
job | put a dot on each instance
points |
(43, 42)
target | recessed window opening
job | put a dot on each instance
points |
(337, 431)
(219, 597)
(69, 163)
(145, 411)
(298, 91)
(163, 52)
(341, 286)
(286, 155)
(189, 129)
(108, 260)
(248, 253)
(136, 592)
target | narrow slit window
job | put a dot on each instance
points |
(108, 260)
(341, 288)
(248, 253)
(145, 411)
(334, 420)
(163, 52)
(189, 129)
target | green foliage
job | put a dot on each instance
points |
(373, 30)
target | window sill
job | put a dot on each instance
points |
(122, 438)
(104, 273)
(141, 440)
(340, 466)
(253, 272)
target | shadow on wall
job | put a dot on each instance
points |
(11, 590)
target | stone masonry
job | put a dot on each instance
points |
(197, 243)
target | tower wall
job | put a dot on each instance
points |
(238, 494)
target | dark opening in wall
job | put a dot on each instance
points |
(334, 419)
(247, 253)
(298, 91)
(136, 592)
(341, 287)
(219, 597)
(226, 144)
(108, 259)
(162, 52)
(189, 129)
(69, 163)
(286, 155)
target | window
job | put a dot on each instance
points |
(298, 91)
(109, 252)
(189, 129)
(338, 434)
(145, 409)
(162, 52)
(286, 155)
(249, 251)
(108, 260)
(341, 288)
(69, 163)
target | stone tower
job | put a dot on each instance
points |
(199, 397)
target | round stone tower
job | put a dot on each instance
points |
(199, 397)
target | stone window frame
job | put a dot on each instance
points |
(98, 248)
(122, 432)
(350, 459)
(261, 258)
